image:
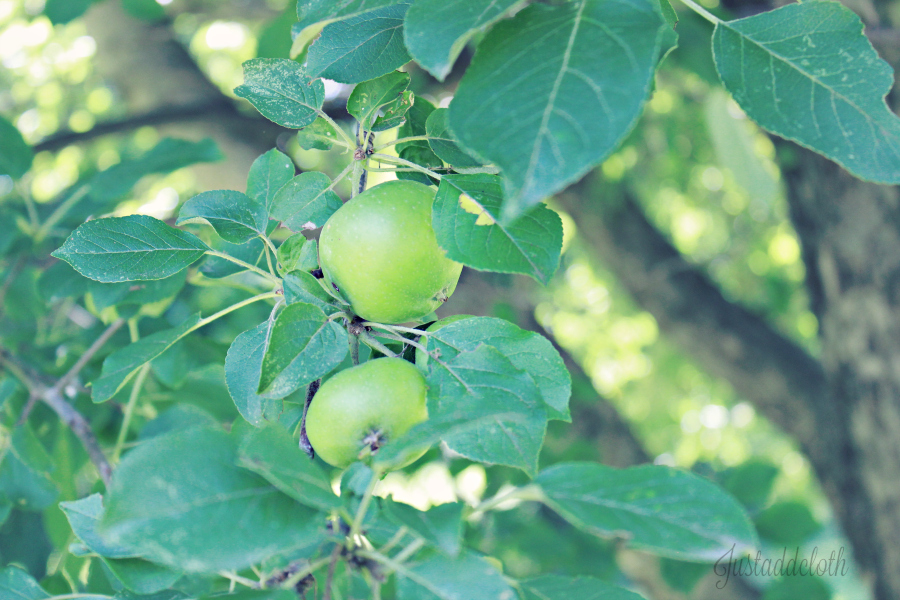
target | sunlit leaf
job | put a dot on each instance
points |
(282, 91)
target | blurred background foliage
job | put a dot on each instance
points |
(703, 173)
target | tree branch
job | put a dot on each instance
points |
(785, 383)
(71, 417)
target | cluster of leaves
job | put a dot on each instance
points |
(191, 507)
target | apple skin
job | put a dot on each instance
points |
(384, 396)
(380, 251)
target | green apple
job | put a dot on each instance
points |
(380, 251)
(361, 408)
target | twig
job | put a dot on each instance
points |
(329, 580)
(89, 354)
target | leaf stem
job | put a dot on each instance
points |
(235, 578)
(394, 160)
(413, 138)
(400, 338)
(271, 247)
(347, 141)
(396, 539)
(526, 492)
(356, 527)
(395, 328)
(303, 573)
(371, 342)
(231, 308)
(129, 410)
(702, 11)
(246, 265)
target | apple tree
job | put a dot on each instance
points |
(312, 314)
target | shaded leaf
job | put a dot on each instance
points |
(486, 383)
(319, 135)
(15, 155)
(300, 286)
(26, 472)
(556, 587)
(436, 31)
(807, 72)
(237, 218)
(243, 364)
(168, 155)
(548, 129)
(467, 576)
(131, 248)
(274, 454)
(119, 366)
(303, 346)
(172, 496)
(789, 523)
(466, 220)
(526, 350)
(61, 12)
(361, 47)
(367, 97)
(16, 584)
(662, 510)
(307, 198)
(267, 174)
(444, 144)
(440, 526)
(84, 516)
(281, 90)
(298, 253)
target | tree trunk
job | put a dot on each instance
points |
(850, 232)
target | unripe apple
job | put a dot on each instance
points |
(361, 408)
(380, 251)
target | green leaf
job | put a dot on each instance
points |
(393, 114)
(444, 144)
(297, 253)
(556, 587)
(61, 12)
(367, 97)
(751, 482)
(84, 516)
(424, 157)
(281, 90)
(546, 130)
(142, 576)
(312, 12)
(237, 218)
(15, 155)
(668, 13)
(661, 510)
(168, 155)
(119, 366)
(320, 135)
(252, 252)
(304, 346)
(16, 584)
(526, 350)
(793, 587)
(806, 72)
(485, 383)
(272, 453)
(734, 141)
(416, 118)
(300, 286)
(436, 31)
(361, 47)
(467, 576)
(305, 202)
(148, 10)
(137, 575)
(246, 594)
(243, 364)
(466, 220)
(133, 248)
(267, 174)
(180, 500)
(440, 526)
(26, 472)
(788, 523)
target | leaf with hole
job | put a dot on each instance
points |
(466, 220)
